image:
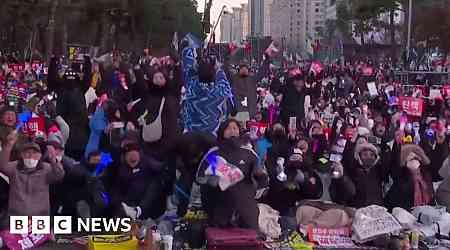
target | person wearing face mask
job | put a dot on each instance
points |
(319, 142)
(137, 192)
(221, 201)
(292, 179)
(160, 102)
(29, 177)
(366, 171)
(244, 90)
(412, 180)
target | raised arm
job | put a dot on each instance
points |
(222, 88)
(56, 172)
(188, 61)
(5, 167)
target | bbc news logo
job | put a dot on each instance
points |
(63, 225)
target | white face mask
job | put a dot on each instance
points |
(413, 164)
(30, 163)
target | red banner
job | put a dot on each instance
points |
(367, 71)
(412, 106)
(17, 67)
(257, 128)
(446, 91)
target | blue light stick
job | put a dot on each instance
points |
(24, 117)
(212, 160)
(105, 161)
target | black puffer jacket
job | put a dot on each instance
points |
(220, 205)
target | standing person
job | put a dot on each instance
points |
(293, 100)
(207, 93)
(160, 107)
(71, 106)
(244, 90)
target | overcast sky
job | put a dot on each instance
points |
(217, 6)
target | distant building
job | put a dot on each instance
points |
(256, 17)
(295, 23)
(267, 10)
(226, 24)
(236, 27)
(245, 19)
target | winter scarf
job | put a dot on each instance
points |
(422, 193)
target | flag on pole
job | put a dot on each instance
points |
(309, 46)
(272, 50)
(193, 41)
(316, 68)
(175, 41)
(232, 46)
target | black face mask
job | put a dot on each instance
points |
(92, 166)
(278, 134)
(341, 111)
(232, 142)
(368, 163)
(319, 137)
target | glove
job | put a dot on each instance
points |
(132, 212)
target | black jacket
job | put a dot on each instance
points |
(367, 183)
(245, 87)
(292, 105)
(280, 196)
(220, 205)
(139, 186)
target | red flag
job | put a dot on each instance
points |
(272, 50)
(248, 47)
(316, 68)
(367, 71)
(232, 47)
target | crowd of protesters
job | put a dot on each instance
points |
(123, 138)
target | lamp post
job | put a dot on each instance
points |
(408, 43)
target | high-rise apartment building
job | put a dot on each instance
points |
(295, 23)
(256, 17)
(245, 18)
(226, 23)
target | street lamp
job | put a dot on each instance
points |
(223, 11)
(408, 43)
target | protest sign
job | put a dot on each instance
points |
(340, 237)
(412, 106)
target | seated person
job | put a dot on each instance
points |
(222, 201)
(138, 189)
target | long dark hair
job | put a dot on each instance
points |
(224, 125)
